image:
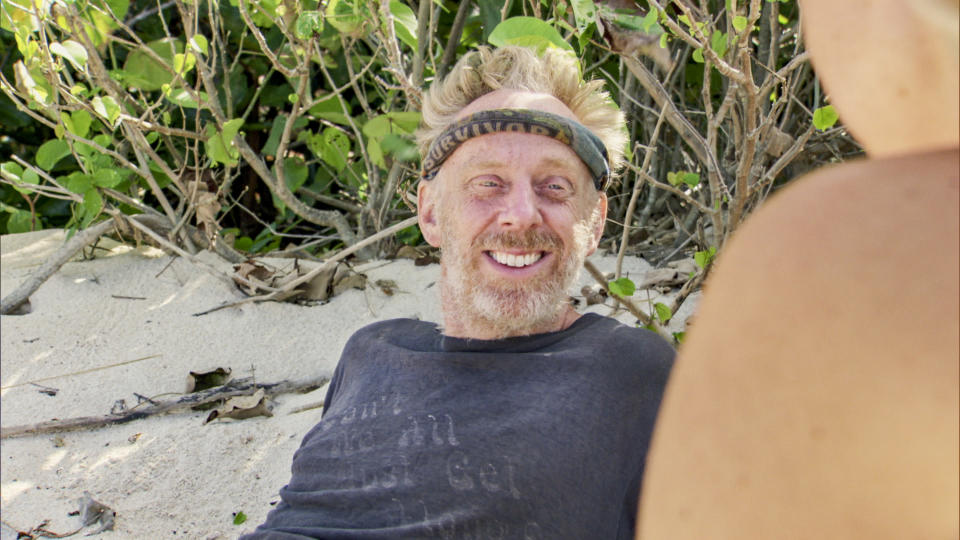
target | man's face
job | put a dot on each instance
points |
(514, 215)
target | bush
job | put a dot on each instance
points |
(278, 124)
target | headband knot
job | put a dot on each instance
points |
(587, 146)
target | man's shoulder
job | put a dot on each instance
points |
(390, 330)
(614, 330)
(610, 337)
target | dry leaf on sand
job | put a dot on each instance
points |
(241, 407)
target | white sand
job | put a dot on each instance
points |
(172, 476)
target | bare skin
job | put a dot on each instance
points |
(818, 393)
(511, 184)
(819, 400)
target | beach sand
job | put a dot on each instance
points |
(122, 324)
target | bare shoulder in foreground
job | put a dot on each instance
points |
(821, 400)
(818, 395)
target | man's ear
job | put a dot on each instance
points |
(599, 218)
(427, 195)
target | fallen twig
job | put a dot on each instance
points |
(236, 388)
(328, 263)
(82, 372)
(80, 240)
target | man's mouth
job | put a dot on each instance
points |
(514, 260)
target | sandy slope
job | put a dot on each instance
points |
(169, 476)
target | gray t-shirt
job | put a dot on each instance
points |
(427, 436)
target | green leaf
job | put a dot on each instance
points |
(329, 108)
(308, 23)
(92, 205)
(528, 32)
(239, 518)
(739, 23)
(584, 13)
(33, 81)
(622, 287)
(51, 152)
(376, 153)
(107, 108)
(72, 51)
(142, 71)
(199, 43)
(698, 56)
(399, 147)
(79, 183)
(273, 140)
(410, 236)
(336, 146)
(718, 42)
(107, 178)
(77, 122)
(296, 172)
(491, 14)
(183, 63)
(392, 122)
(243, 243)
(678, 337)
(29, 177)
(219, 144)
(663, 312)
(11, 170)
(704, 258)
(404, 23)
(347, 16)
(825, 117)
(649, 21)
(182, 97)
(683, 177)
(21, 221)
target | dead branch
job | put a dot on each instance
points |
(148, 223)
(241, 387)
(316, 271)
(79, 241)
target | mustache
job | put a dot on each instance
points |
(526, 240)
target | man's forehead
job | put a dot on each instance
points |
(495, 150)
(517, 99)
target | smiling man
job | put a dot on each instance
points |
(518, 417)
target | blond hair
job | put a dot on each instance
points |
(518, 68)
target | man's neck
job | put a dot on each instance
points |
(459, 325)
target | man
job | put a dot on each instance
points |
(519, 418)
(818, 392)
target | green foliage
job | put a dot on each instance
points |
(239, 518)
(116, 106)
(622, 287)
(705, 257)
(528, 32)
(682, 177)
(825, 117)
(663, 312)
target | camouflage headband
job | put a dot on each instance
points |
(570, 132)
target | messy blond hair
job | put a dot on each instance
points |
(518, 68)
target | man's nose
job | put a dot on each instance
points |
(521, 209)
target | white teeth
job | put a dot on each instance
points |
(516, 261)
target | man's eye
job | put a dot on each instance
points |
(557, 186)
(488, 182)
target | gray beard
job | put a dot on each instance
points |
(509, 309)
